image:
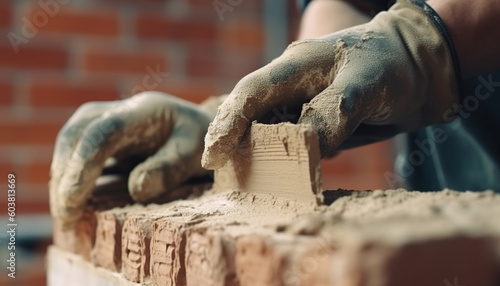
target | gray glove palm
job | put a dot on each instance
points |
(393, 74)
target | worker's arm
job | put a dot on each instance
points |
(397, 73)
(324, 17)
(474, 27)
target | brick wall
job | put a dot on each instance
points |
(68, 52)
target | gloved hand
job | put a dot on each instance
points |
(167, 129)
(363, 84)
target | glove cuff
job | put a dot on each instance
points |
(441, 27)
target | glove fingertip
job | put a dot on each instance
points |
(213, 159)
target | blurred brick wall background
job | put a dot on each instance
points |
(71, 52)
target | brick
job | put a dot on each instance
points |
(292, 149)
(152, 25)
(235, 10)
(107, 250)
(266, 260)
(95, 60)
(137, 2)
(243, 36)
(84, 22)
(33, 57)
(208, 60)
(5, 15)
(34, 207)
(6, 168)
(167, 251)
(194, 91)
(444, 260)
(6, 94)
(136, 246)
(36, 173)
(210, 258)
(60, 93)
(79, 238)
(28, 132)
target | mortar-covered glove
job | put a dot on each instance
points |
(396, 73)
(167, 129)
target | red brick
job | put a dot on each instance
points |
(359, 168)
(5, 17)
(6, 168)
(5, 93)
(36, 173)
(243, 36)
(122, 62)
(253, 7)
(55, 92)
(86, 22)
(193, 91)
(137, 2)
(207, 60)
(150, 25)
(28, 132)
(32, 57)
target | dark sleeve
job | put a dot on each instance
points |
(369, 6)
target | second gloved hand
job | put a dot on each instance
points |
(167, 130)
(394, 74)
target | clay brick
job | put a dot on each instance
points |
(136, 239)
(55, 92)
(152, 25)
(108, 250)
(5, 15)
(210, 258)
(33, 57)
(236, 7)
(292, 149)
(194, 91)
(18, 132)
(78, 239)
(7, 168)
(6, 94)
(137, 2)
(35, 207)
(96, 60)
(167, 252)
(206, 60)
(243, 36)
(265, 260)
(99, 22)
(37, 173)
(429, 253)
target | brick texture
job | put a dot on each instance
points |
(5, 93)
(28, 132)
(76, 22)
(5, 12)
(33, 57)
(151, 25)
(49, 92)
(121, 61)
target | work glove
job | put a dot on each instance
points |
(394, 74)
(166, 130)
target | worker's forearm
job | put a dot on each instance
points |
(323, 17)
(474, 27)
